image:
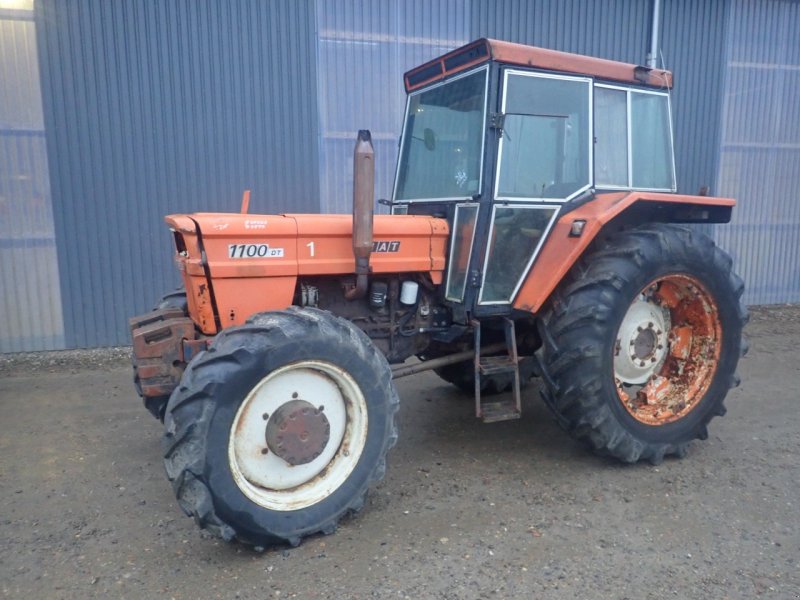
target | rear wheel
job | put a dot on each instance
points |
(279, 428)
(641, 342)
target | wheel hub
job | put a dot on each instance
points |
(645, 344)
(642, 344)
(298, 432)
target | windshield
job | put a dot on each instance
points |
(443, 139)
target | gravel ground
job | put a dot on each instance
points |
(467, 510)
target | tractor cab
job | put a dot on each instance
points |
(503, 140)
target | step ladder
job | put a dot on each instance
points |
(502, 410)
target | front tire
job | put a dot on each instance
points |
(278, 429)
(641, 342)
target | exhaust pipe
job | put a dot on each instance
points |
(363, 208)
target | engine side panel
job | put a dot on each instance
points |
(254, 260)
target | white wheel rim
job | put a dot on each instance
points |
(645, 322)
(269, 480)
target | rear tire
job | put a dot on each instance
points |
(630, 339)
(462, 375)
(229, 465)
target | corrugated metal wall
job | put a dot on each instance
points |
(692, 43)
(692, 37)
(365, 46)
(157, 107)
(178, 106)
(30, 299)
(760, 157)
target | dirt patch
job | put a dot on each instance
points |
(29, 364)
(467, 510)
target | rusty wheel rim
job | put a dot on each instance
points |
(667, 349)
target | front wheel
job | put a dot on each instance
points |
(641, 342)
(279, 428)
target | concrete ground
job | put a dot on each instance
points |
(467, 510)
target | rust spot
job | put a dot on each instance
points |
(695, 343)
(668, 294)
(654, 393)
(680, 342)
(297, 432)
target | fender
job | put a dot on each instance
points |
(561, 250)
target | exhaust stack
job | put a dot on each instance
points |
(363, 209)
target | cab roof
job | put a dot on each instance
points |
(485, 50)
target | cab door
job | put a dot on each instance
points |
(544, 158)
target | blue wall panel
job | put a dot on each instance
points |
(30, 298)
(692, 36)
(365, 46)
(158, 107)
(760, 154)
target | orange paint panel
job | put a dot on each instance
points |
(541, 58)
(520, 54)
(254, 260)
(238, 299)
(410, 244)
(229, 238)
(560, 251)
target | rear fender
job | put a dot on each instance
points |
(609, 211)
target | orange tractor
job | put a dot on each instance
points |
(535, 231)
